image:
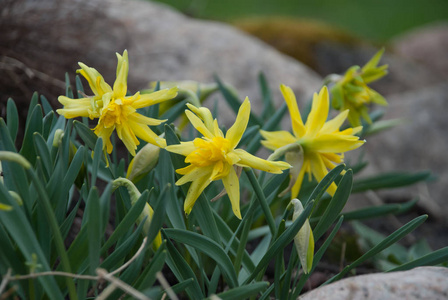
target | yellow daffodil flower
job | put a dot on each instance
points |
(115, 110)
(314, 147)
(351, 91)
(214, 156)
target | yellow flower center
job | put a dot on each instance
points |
(116, 112)
(208, 152)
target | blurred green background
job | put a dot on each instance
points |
(377, 20)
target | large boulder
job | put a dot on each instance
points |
(166, 45)
(416, 284)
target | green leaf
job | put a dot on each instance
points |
(159, 215)
(270, 125)
(268, 107)
(45, 105)
(235, 103)
(387, 242)
(284, 239)
(34, 124)
(325, 183)
(377, 211)
(389, 180)
(97, 154)
(20, 230)
(207, 246)
(44, 153)
(115, 259)
(86, 134)
(12, 119)
(34, 101)
(335, 206)
(127, 222)
(317, 258)
(182, 270)
(93, 212)
(243, 292)
(148, 276)
(431, 259)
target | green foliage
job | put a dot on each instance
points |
(59, 176)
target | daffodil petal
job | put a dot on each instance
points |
(276, 139)
(184, 148)
(235, 132)
(136, 117)
(155, 98)
(120, 84)
(146, 134)
(232, 186)
(334, 143)
(296, 119)
(298, 181)
(335, 123)
(319, 112)
(194, 173)
(128, 137)
(195, 190)
(204, 114)
(197, 123)
(249, 160)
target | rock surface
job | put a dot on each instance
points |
(416, 284)
(166, 45)
(427, 45)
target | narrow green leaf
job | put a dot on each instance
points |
(86, 134)
(20, 230)
(127, 222)
(116, 258)
(148, 276)
(243, 292)
(68, 222)
(159, 215)
(268, 107)
(174, 112)
(317, 258)
(34, 101)
(389, 180)
(323, 185)
(45, 105)
(431, 259)
(97, 154)
(34, 124)
(48, 122)
(44, 153)
(387, 242)
(93, 212)
(279, 268)
(173, 207)
(235, 103)
(336, 205)
(182, 270)
(12, 119)
(282, 241)
(207, 246)
(270, 125)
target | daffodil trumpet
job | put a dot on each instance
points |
(215, 156)
(115, 110)
(313, 147)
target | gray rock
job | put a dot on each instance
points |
(416, 284)
(426, 45)
(166, 45)
(421, 143)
